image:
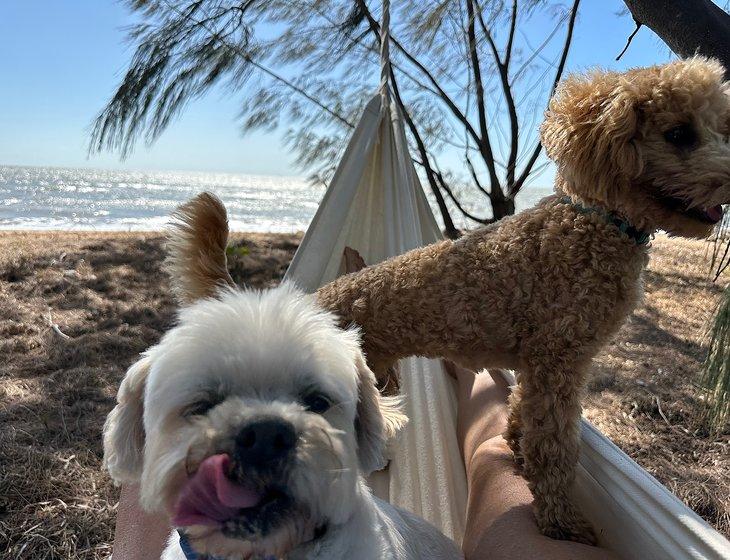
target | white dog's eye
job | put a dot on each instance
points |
(198, 408)
(316, 402)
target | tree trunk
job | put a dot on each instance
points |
(502, 207)
(687, 26)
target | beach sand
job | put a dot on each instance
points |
(110, 300)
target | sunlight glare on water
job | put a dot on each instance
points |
(47, 198)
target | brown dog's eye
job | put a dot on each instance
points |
(682, 136)
(317, 403)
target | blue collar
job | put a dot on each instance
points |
(638, 236)
(188, 551)
(190, 554)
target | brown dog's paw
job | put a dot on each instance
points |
(563, 522)
(575, 529)
(353, 260)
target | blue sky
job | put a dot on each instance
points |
(60, 61)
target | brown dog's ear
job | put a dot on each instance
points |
(124, 427)
(196, 248)
(378, 420)
(588, 131)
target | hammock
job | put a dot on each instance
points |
(375, 204)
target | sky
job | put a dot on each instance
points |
(60, 62)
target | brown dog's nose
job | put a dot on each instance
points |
(264, 441)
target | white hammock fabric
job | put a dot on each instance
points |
(375, 204)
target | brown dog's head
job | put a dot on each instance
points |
(650, 144)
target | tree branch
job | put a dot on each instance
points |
(447, 189)
(240, 52)
(473, 173)
(628, 41)
(510, 39)
(375, 28)
(449, 226)
(483, 143)
(537, 51)
(503, 71)
(699, 26)
(558, 74)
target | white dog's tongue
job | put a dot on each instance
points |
(210, 497)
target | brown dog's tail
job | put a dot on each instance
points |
(196, 249)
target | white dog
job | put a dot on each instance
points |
(253, 421)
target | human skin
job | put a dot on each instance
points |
(139, 535)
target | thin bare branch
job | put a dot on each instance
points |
(268, 71)
(449, 226)
(536, 52)
(483, 143)
(375, 27)
(510, 39)
(628, 41)
(444, 185)
(558, 74)
(503, 71)
(474, 176)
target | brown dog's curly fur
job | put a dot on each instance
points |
(542, 291)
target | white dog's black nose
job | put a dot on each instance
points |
(264, 441)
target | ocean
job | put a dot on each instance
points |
(53, 198)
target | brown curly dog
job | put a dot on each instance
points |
(540, 292)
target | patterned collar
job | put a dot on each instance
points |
(190, 554)
(188, 551)
(638, 236)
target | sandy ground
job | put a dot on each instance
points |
(107, 294)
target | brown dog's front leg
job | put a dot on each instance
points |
(385, 369)
(550, 415)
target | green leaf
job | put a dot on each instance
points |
(237, 251)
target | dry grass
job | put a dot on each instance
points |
(107, 293)
(645, 394)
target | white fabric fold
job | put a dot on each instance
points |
(375, 204)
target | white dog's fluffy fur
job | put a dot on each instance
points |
(237, 356)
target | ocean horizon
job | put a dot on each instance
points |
(85, 199)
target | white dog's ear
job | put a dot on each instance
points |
(378, 420)
(124, 427)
